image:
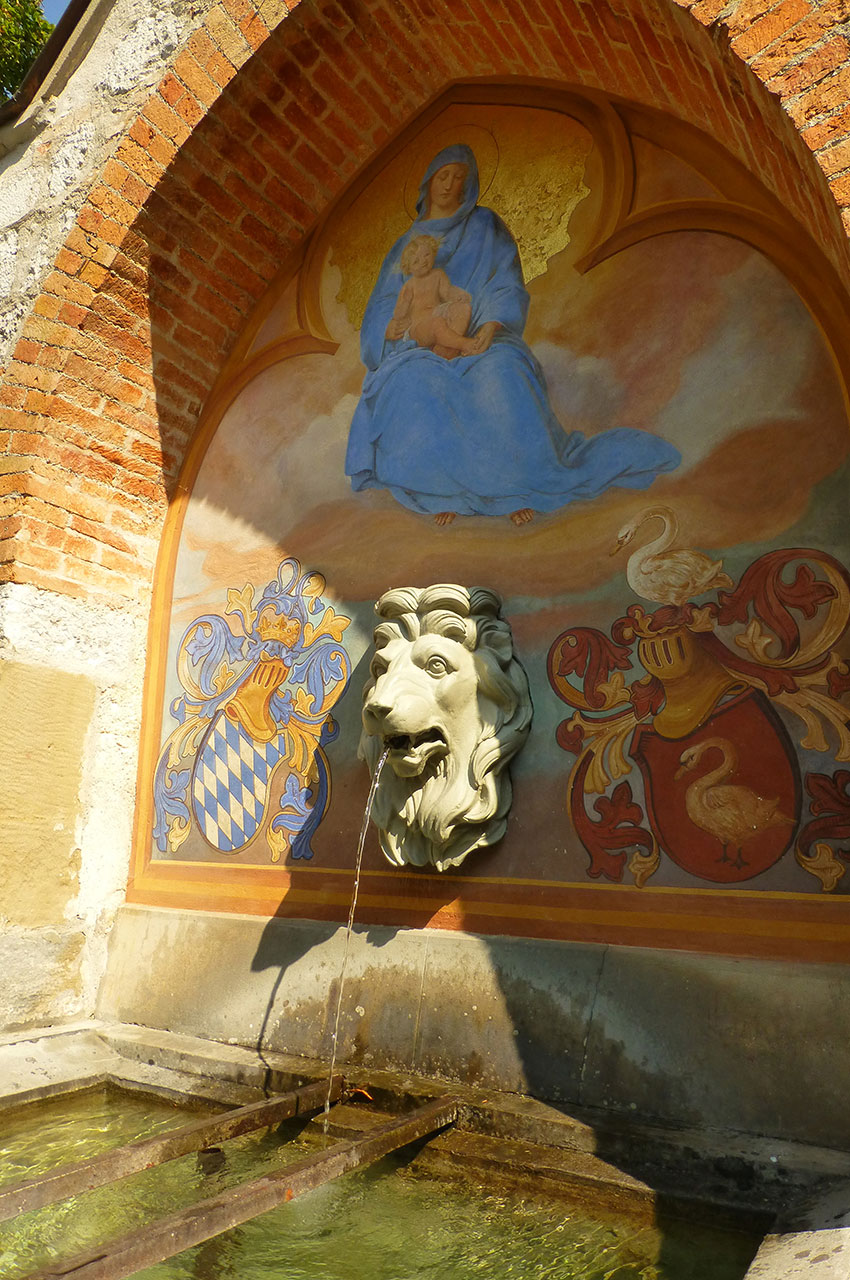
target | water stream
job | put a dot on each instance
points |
(358, 863)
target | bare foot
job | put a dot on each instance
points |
(445, 517)
(523, 516)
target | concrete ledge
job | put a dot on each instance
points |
(813, 1242)
(696, 1041)
(723, 1172)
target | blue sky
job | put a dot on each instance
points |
(53, 9)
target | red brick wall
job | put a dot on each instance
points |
(252, 134)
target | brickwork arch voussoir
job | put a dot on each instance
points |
(249, 137)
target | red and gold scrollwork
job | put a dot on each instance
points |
(688, 694)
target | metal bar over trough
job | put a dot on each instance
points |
(171, 1235)
(73, 1180)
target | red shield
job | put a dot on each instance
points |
(724, 802)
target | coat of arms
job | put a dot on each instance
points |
(256, 703)
(721, 790)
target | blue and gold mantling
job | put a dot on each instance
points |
(254, 703)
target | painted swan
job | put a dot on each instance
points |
(663, 573)
(732, 813)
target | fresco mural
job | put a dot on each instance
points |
(720, 772)
(457, 425)
(637, 384)
(258, 683)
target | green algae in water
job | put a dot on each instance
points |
(37, 1137)
(79, 1223)
(383, 1223)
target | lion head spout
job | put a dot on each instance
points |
(449, 701)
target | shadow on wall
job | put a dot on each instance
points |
(537, 1018)
(613, 1037)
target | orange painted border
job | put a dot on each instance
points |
(779, 926)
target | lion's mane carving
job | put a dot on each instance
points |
(449, 702)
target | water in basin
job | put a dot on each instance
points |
(386, 1223)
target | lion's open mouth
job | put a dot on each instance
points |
(410, 752)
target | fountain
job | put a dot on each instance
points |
(544, 929)
(446, 708)
(447, 703)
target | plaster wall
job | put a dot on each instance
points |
(51, 154)
(70, 680)
(685, 1039)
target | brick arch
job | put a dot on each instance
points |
(250, 137)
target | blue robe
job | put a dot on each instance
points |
(476, 435)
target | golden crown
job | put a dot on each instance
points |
(276, 626)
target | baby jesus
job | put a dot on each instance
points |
(429, 307)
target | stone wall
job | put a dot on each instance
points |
(70, 676)
(688, 1040)
(195, 203)
(176, 158)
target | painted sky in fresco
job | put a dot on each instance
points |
(693, 336)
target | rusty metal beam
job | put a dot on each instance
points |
(163, 1239)
(74, 1179)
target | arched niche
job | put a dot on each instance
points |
(669, 292)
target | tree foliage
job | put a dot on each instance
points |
(23, 31)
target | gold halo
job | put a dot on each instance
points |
(480, 141)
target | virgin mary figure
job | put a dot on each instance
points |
(473, 434)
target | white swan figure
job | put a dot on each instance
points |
(665, 574)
